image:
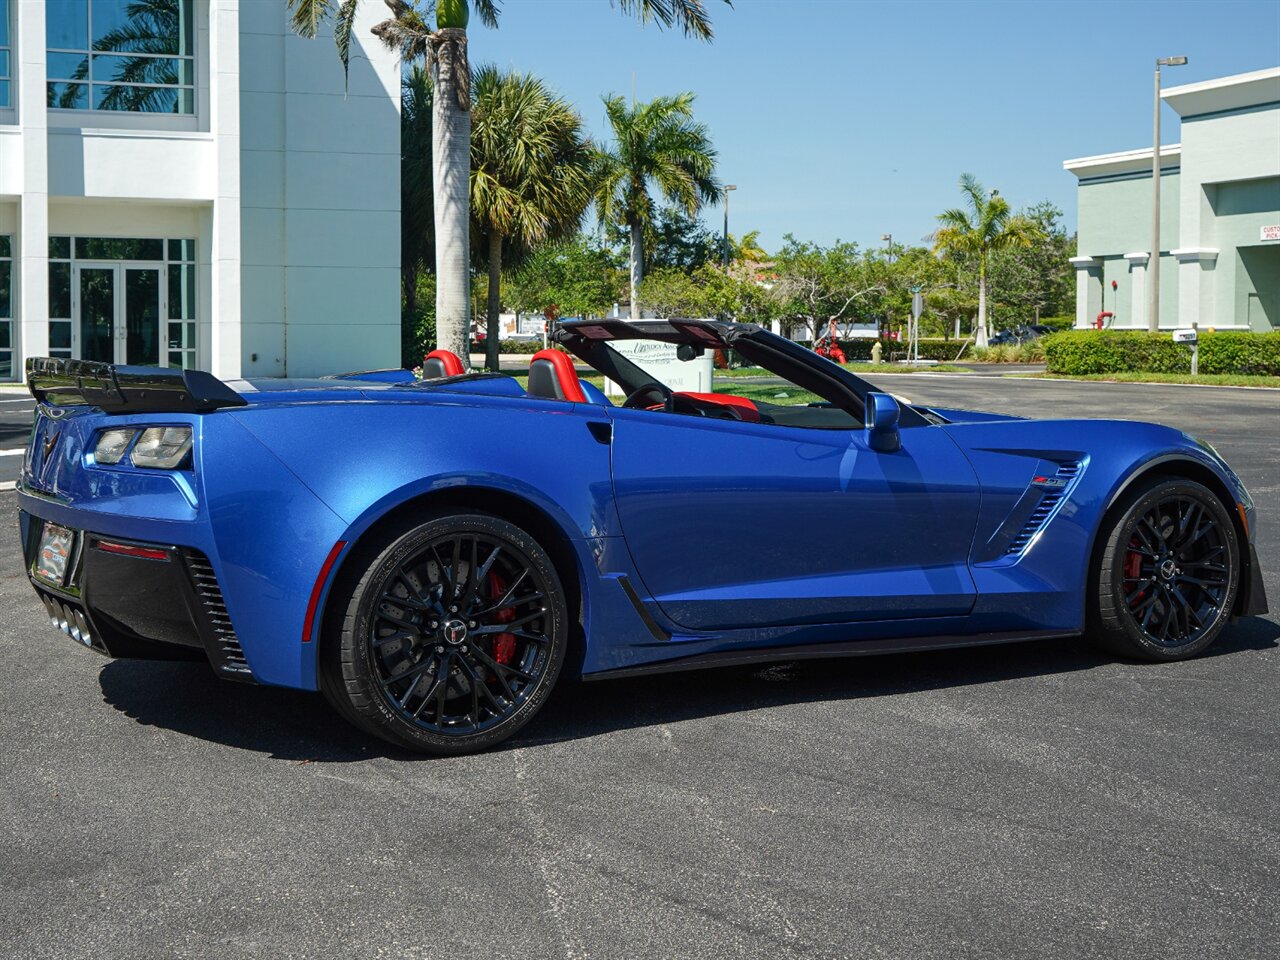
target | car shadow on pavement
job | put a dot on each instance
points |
(293, 725)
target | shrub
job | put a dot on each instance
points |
(417, 334)
(511, 346)
(1124, 351)
(1238, 352)
(859, 350)
(1032, 351)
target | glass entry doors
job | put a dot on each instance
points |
(119, 310)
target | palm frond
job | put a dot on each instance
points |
(308, 15)
(343, 24)
(487, 11)
(689, 15)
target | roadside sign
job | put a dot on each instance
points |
(1272, 232)
(1186, 335)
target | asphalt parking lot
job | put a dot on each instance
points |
(1023, 801)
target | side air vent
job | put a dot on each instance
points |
(227, 651)
(1049, 501)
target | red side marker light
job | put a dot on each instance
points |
(318, 589)
(130, 550)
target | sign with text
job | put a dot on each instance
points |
(660, 360)
(1272, 232)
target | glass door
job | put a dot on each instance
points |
(97, 319)
(138, 338)
(119, 313)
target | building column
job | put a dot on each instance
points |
(224, 256)
(1138, 304)
(1088, 294)
(1193, 264)
(32, 254)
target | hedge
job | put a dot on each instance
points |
(1138, 351)
(860, 349)
(510, 346)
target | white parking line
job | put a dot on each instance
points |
(15, 452)
(8, 485)
(23, 400)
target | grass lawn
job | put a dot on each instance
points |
(1207, 379)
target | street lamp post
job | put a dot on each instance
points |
(888, 238)
(725, 247)
(1153, 259)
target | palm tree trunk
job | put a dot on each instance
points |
(494, 304)
(451, 180)
(637, 267)
(981, 339)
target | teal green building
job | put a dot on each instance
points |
(1219, 215)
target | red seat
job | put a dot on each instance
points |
(441, 363)
(551, 375)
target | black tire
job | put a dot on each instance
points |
(417, 653)
(1167, 573)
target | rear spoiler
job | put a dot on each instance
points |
(119, 389)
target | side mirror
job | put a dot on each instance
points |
(687, 351)
(881, 413)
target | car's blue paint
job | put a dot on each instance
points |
(733, 535)
(755, 524)
(594, 394)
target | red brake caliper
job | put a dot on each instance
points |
(1133, 568)
(504, 644)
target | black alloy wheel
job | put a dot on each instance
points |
(1169, 573)
(453, 638)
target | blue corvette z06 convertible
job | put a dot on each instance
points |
(433, 555)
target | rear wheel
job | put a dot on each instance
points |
(453, 636)
(1168, 574)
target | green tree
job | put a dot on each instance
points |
(577, 277)
(987, 226)
(444, 49)
(1036, 280)
(532, 173)
(657, 144)
(816, 285)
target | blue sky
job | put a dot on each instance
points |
(852, 118)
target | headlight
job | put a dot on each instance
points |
(112, 444)
(161, 448)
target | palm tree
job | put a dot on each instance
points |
(987, 226)
(531, 172)
(658, 143)
(445, 50)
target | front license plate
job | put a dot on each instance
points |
(54, 556)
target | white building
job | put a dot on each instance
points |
(185, 182)
(1219, 215)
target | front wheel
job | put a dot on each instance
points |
(453, 636)
(1168, 573)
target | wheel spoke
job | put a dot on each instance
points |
(398, 635)
(507, 627)
(473, 582)
(504, 602)
(497, 669)
(396, 621)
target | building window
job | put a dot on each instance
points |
(132, 55)
(123, 300)
(6, 306)
(6, 57)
